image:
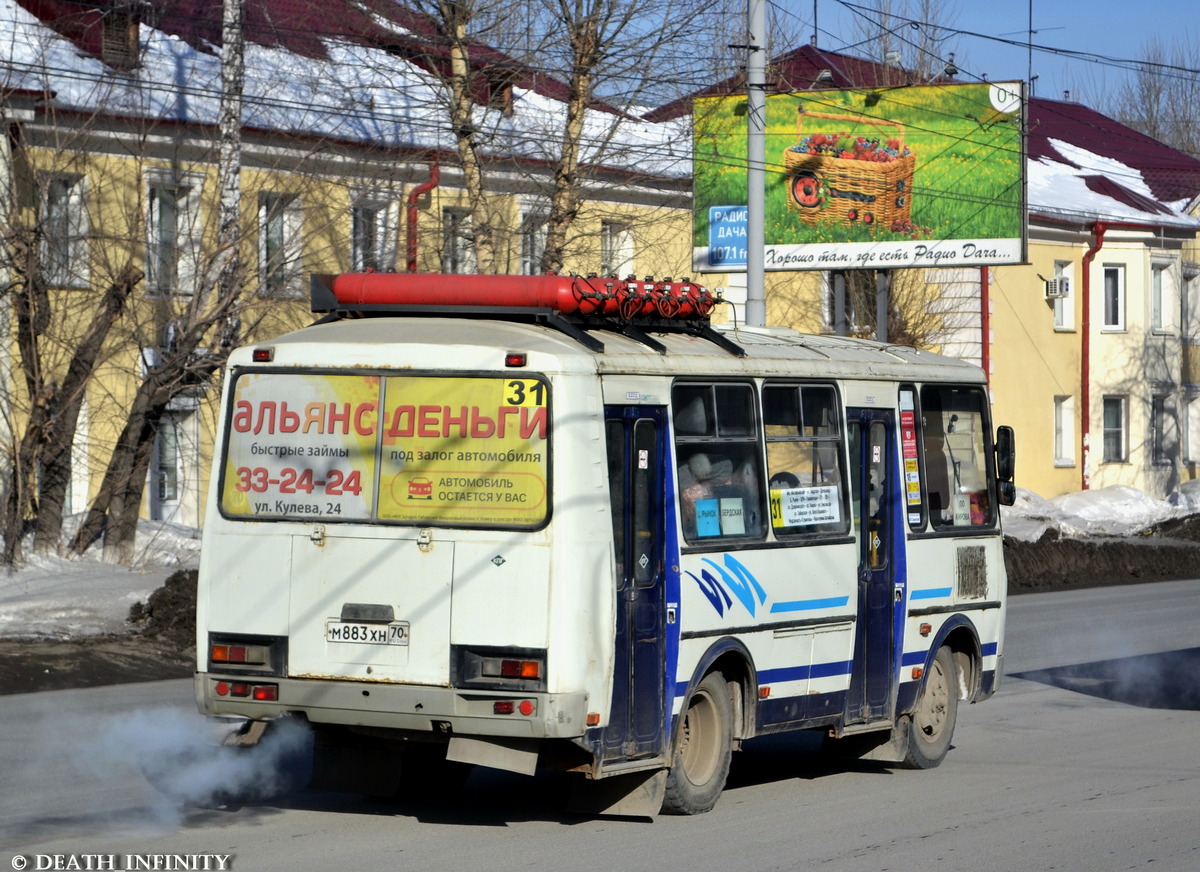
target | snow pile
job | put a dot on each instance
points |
(1110, 511)
(53, 597)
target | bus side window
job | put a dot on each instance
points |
(956, 456)
(803, 436)
(717, 449)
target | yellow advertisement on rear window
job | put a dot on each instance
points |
(470, 451)
(464, 450)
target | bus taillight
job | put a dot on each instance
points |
(508, 707)
(242, 689)
(245, 654)
(518, 669)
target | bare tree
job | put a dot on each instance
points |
(64, 304)
(1159, 97)
(54, 387)
(192, 356)
(597, 58)
(914, 36)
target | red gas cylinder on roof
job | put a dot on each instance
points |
(629, 299)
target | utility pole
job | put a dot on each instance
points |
(756, 154)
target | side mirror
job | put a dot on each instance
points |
(1006, 493)
(1006, 461)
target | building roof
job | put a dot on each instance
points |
(351, 70)
(801, 69)
(300, 27)
(1083, 163)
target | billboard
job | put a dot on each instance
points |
(928, 175)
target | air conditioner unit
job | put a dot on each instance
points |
(1057, 289)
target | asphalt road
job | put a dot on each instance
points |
(1085, 761)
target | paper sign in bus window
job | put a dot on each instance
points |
(708, 517)
(804, 506)
(733, 517)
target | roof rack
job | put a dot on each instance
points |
(574, 305)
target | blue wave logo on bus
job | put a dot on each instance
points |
(733, 578)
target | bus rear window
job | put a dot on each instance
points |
(409, 449)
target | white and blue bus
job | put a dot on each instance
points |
(549, 521)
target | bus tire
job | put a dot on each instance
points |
(703, 749)
(932, 724)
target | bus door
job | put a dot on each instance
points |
(873, 475)
(635, 458)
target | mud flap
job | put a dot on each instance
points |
(513, 755)
(637, 794)
(884, 746)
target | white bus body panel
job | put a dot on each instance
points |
(552, 589)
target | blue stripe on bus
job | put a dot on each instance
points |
(918, 658)
(790, 673)
(930, 593)
(831, 602)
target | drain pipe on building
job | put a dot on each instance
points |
(413, 216)
(1085, 353)
(985, 324)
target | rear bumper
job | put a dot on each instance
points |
(401, 706)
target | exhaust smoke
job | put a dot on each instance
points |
(71, 767)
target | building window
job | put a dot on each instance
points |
(172, 476)
(166, 459)
(64, 231)
(533, 243)
(616, 248)
(373, 234)
(1190, 297)
(854, 314)
(1115, 443)
(172, 235)
(458, 247)
(1163, 438)
(1162, 297)
(1191, 421)
(1064, 431)
(1064, 306)
(1114, 297)
(279, 245)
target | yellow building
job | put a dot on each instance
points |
(345, 165)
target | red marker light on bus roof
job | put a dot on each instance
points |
(263, 355)
(515, 358)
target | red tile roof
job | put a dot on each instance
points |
(1171, 174)
(301, 27)
(801, 69)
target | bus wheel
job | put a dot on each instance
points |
(933, 721)
(703, 751)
